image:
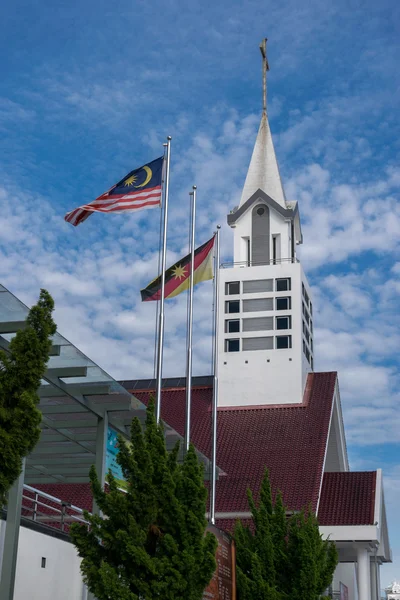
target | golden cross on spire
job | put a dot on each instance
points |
(265, 68)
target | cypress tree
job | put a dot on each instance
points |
(21, 369)
(255, 553)
(281, 557)
(150, 542)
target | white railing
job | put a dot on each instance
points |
(250, 263)
(48, 510)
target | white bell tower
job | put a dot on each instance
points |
(265, 338)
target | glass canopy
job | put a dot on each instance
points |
(75, 393)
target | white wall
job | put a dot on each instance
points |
(59, 580)
(242, 230)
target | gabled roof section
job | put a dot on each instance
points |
(289, 211)
(263, 172)
(348, 498)
(289, 440)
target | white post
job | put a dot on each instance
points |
(190, 324)
(375, 578)
(215, 388)
(363, 573)
(160, 349)
(11, 537)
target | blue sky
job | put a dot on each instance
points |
(89, 91)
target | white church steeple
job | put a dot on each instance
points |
(263, 172)
(265, 338)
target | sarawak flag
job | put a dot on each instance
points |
(140, 189)
(177, 277)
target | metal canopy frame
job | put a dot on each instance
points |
(78, 401)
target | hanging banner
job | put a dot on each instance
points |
(223, 584)
(111, 457)
(344, 592)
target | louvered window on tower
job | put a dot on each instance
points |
(257, 285)
(258, 324)
(258, 304)
(258, 343)
(260, 235)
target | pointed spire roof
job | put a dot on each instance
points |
(263, 172)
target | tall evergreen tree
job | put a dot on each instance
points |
(150, 542)
(280, 557)
(21, 369)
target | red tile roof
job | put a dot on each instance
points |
(289, 440)
(348, 499)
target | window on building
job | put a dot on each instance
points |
(304, 347)
(307, 335)
(283, 285)
(311, 345)
(310, 307)
(306, 298)
(258, 304)
(283, 341)
(304, 328)
(232, 326)
(312, 363)
(258, 324)
(232, 287)
(276, 248)
(283, 303)
(253, 286)
(232, 306)
(284, 322)
(232, 345)
(311, 326)
(308, 354)
(258, 343)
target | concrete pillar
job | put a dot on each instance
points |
(11, 538)
(101, 452)
(363, 574)
(375, 580)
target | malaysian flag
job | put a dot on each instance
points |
(141, 188)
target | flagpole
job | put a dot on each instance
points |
(190, 324)
(160, 348)
(215, 387)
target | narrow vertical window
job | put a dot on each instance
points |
(293, 244)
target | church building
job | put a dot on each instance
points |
(274, 410)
